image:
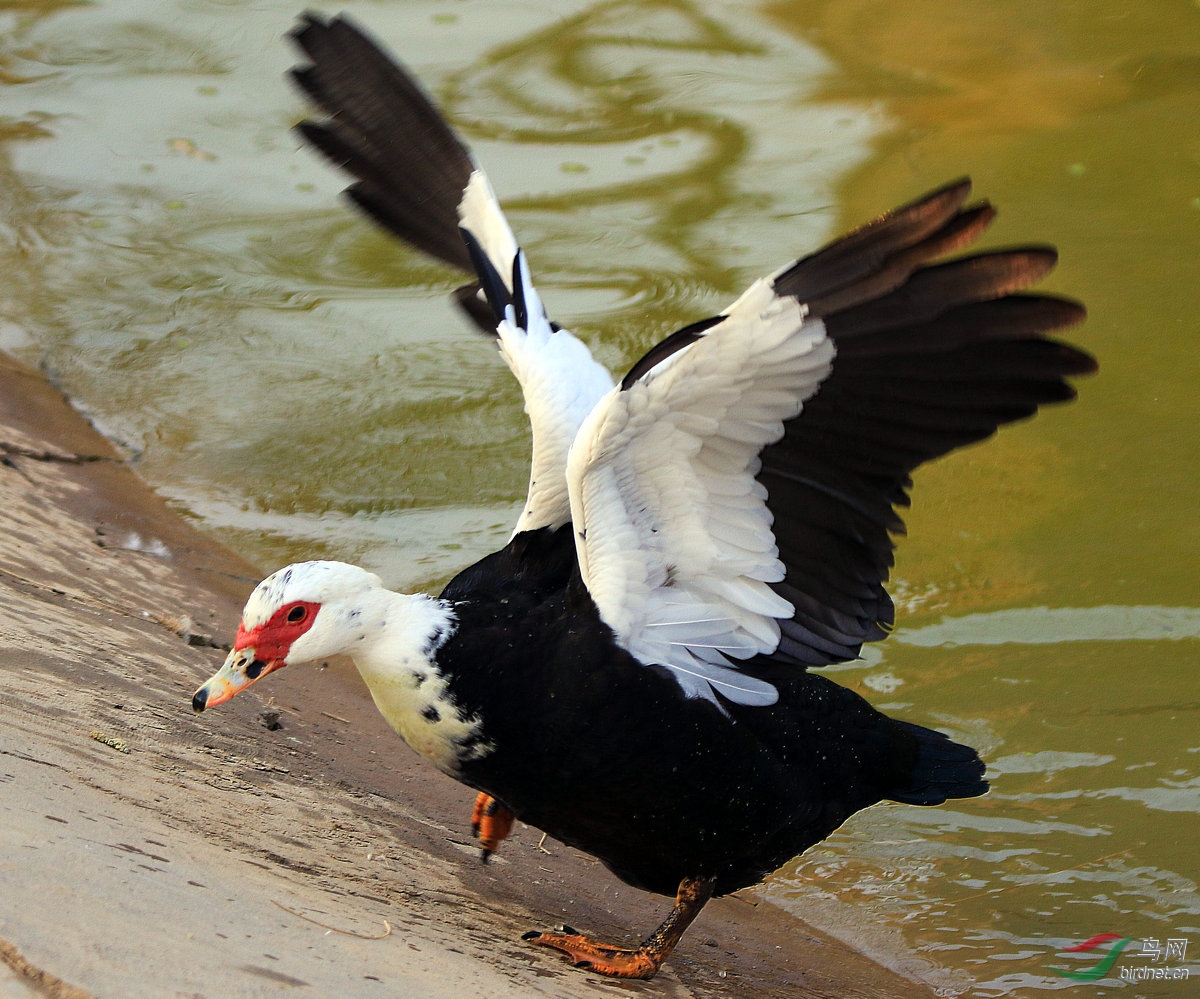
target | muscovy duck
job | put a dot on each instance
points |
(631, 672)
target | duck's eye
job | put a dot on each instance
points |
(297, 614)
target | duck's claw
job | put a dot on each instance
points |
(491, 822)
(617, 962)
(642, 961)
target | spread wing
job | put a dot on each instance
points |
(734, 497)
(416, 179)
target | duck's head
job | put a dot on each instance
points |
(302, 613)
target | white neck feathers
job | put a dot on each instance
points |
(395, 648)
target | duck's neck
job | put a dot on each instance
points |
(395, 649)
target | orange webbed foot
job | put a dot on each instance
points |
(642, 961)
(491, 822)
(585, 953)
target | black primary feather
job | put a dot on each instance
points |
(410, 167)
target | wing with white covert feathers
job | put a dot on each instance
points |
(673, 532)
(560, 380)
(735, 496)
(417, 179)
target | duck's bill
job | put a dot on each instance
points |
(240, 669)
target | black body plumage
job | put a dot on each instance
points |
(610, 757)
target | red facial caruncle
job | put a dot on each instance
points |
(272, 640)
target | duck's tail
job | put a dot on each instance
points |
(943, 769)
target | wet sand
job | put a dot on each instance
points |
(148, 851)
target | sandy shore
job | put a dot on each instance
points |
(147, 851)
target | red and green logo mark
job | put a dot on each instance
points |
(1106, 962)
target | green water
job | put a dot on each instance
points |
(298, 385)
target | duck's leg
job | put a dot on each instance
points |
(491, 822)
(644, 960)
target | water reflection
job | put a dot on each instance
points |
(1048, 625)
